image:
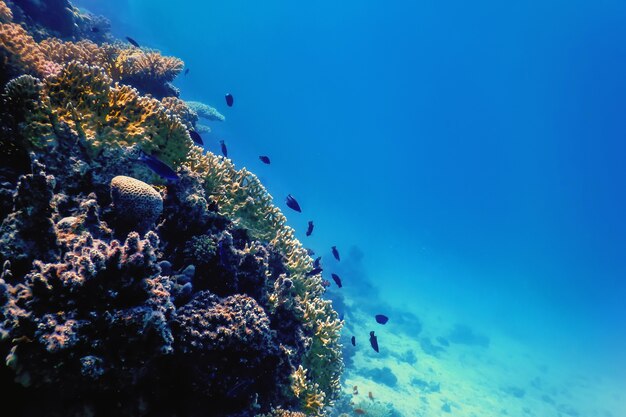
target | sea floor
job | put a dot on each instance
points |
(425, 369)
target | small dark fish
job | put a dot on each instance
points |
(316, 262)
(239, 388)
(186, 71)
(293, 204)
(265, 159)
(336, 253)
(95, 29)
(309, 229)
(224, 150)
(353, 340)
(132, 42)
(314, 271)
(336, 279)
(159, 167)
(229, 99)
(381, 319)
(195, 136)
(222, 252)
(374, 341)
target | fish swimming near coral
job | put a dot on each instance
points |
(186, 71)
(336, 253)
(314, 271)
(374, 341)
(229, 99)
(353, 341)
(265, 159)
(159, 167)
(195, 136)
(316, 262)
(370, 395)
(336, 279)
(293, 204)
(381, 319)
(133, 42)
(224, 149)
(309, 229)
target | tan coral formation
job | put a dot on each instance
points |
(135, 200)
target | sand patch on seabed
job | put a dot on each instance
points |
(503, 379)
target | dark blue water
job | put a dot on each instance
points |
(474, 152)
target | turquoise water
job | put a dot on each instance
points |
(470, 156)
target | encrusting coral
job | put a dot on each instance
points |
(121, 293)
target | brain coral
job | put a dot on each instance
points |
(137, 204)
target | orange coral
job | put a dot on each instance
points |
(6, 15)
(83, 51)
(19, 53)
(135, 63)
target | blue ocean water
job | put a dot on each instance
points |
(467, 158)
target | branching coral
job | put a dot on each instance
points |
(240, 196)
(180, 109)
(19, 53)
(108, 115)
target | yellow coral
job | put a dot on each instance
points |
(242, 197)
(279, 412)
(177, 107)
(104, 114)
(134, 62)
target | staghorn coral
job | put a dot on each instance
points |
(205, 111)
(136, 203)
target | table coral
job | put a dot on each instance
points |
(108, 114)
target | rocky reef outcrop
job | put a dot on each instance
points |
(126, 293)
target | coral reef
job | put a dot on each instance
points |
(121, 294)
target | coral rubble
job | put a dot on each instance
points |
(121, 293)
